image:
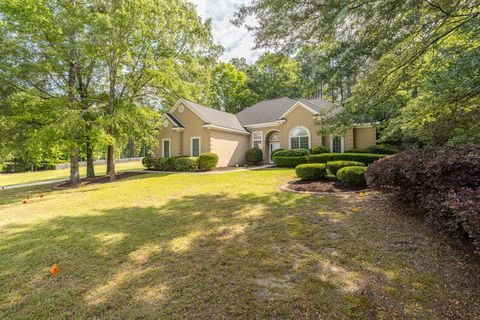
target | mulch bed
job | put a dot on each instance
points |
(97, 180)
(320, 186)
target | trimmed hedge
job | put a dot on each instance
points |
(274, 152)
(334, 166)
(353, 176)
(152, 163)
(290, 162)
(253, 156)
(320, 149)
(182, 163)
(376, 149)
(311, 171)
(293, 153)
(365, 158)
(207, 161)
(444, 182)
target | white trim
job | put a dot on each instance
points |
(342, 143)
(199, 145)
(261, 140)
(295, 106)
(215, 127)
(266, 124)
(186, 104)
(290, 137)
(272, 130)
(169, 147)
(165, 116)
(178, 129)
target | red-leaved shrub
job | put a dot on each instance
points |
(444, 182)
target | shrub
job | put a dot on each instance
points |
(182, 163)
(293, 153)
(334, 166)
(320, 149)
(444, 182)
(290, 162)
(311, 171)
(207, 161)
(254, 156)
(152, 163)
(365, 158)
(274, 152)
(376, 149)
(353, 176)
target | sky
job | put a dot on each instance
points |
(238, 42)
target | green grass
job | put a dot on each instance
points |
(222, 246)
(7, 179)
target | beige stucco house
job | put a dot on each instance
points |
(191, 129)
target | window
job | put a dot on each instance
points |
(257, 138)
(166, 148)
(195, 146)
(275, 137)
(337, 144)
(299, 138)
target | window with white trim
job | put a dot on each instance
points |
(299, 138)
(195, 147)
(257, 138)
(166, 148)
(337, 144)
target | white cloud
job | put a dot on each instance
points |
(238, 42)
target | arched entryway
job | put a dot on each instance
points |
(272, 143)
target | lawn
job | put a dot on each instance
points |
(30, 177)
(222, 246)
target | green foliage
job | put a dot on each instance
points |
(293, 153)
(365, 158)
(377, 149)
(311, 171)
(182, 163)
(152, 163)
(276, 151)
(207, 161)
(253, 156)
(353, 176)
(320, 149)
(229, 88)
(334, 166)
(290, 162)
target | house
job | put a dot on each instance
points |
(191, 129)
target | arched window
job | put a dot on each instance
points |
(299, 138)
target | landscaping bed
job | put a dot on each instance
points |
(319, 186)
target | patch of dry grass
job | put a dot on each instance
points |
(225, 246)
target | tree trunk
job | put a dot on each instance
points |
(90, 166)
(74, 166)
(111, 162)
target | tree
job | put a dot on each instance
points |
(377, 56)
(229, 88)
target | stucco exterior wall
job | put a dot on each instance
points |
(175, 141)
(230, 147)
(266, 131)
(364, 137)
(348, 140)
(300, 117)
(193, 128)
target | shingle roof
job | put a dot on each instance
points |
(216, 117)
(177, 123)
(272, 110)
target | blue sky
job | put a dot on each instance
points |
(238, 42)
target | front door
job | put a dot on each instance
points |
(273, 146)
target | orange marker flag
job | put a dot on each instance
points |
(54, 270)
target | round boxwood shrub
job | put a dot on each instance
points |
(207, 161)
(334, 166)
(352, 176)
(182, 163)
(289, 162)
(320, 149)
(311, 171)
(254, 155)
(293, 153)
(152, 163)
